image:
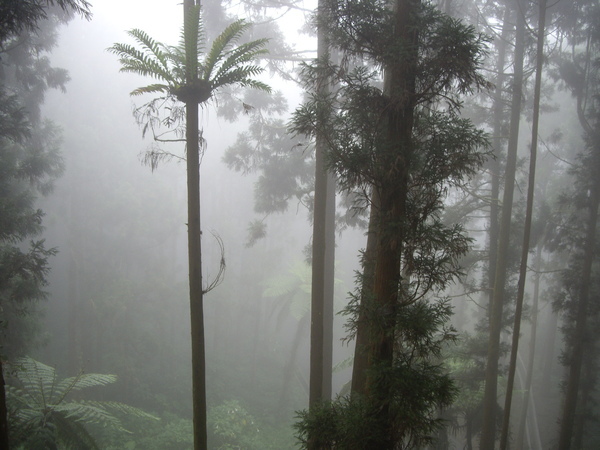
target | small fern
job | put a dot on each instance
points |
(42, 416)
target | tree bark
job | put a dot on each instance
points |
(195, 266)
(321, 334)
(497, 139)
(488, 434)
(359, 368)
(3, 410)
(531, 356)
(392, 191)
(527, 232)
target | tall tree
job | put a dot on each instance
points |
(490, 408)
(323, 243)
(580, 70)
(193, 78)
(386, 140)
(30, 161)
(528, 218)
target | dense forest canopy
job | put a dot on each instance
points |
(330, 224)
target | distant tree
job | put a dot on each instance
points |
(488, 433)
(579, 69)
(323, 244)
(29, 161)
(18, 16)
(541, 30)
(192, 78)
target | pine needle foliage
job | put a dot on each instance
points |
(42, 413)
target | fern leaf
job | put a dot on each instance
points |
(72, 434)
(151, 89)
(89, 412)
(191, 35)
(221, 44)
(128, 410)
(242, 54)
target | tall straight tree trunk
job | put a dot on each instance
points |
(195, 264)
(527, 232)
(520, 439)
(399, 87)
(498, 119)
(488, 434)
(359, 367)
(3, 410)
(321, 328)
(576, 359)
(329, 287)
(572, 391)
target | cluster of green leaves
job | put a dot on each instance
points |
(445, 150)
(43, 414)
(30, 162)
(18, 16)
(223, 64)
(418, 380)
(232, 426)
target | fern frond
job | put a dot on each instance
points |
(41, 416)
(259, 85)
(246, 53)
(129, 410)
(38, 380)
(151, 89)
(153, 61)
(242, 54)
(222, 44)
(241, 75)
(89, 412)
(72, 434)
(191, 35)
(154, 48)
(88, 380)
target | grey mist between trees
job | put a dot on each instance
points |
(337, 224)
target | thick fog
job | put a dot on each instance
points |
(116, 295)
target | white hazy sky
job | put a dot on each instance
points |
(160, 18)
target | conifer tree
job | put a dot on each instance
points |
(397, 142)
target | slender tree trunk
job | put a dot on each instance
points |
(527, 232)
(195, 279)
(3, 410)
(359, 368)
(491, 371)
(576, 359)
(529, 380)
(579, 334)
(499, 113)
(329, 288)
(195, 265)
(587, 388)
(321, 327)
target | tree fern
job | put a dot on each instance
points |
(189, 73)
(42, 416)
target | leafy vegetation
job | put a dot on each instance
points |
(44, 414)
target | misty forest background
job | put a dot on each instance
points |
(98, 282)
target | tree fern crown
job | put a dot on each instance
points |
(187, 71)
